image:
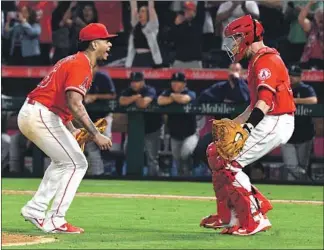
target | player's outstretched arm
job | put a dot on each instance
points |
(74, 102)
(242, 118)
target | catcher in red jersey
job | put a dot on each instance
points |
(267, 123)
(45, 119)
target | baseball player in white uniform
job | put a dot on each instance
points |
(45, 119)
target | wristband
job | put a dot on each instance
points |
(255, 117)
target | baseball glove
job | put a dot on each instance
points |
(83, 137)
(229, 138)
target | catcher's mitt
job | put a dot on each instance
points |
(83, 137)
(229, 138)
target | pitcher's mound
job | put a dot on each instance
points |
(9, 239)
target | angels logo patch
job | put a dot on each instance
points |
(264, 74)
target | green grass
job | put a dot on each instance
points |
(172, 188)
(168, 224)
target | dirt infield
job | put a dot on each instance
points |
(10, 240)
(156, 196)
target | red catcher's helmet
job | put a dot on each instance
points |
(241, 33)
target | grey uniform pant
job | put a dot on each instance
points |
(96, 165)
(18, 146)
(5, 144)
(296, 156)
(95, 161)
(182, 151)
(152, 145)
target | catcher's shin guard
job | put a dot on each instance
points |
(247, 200)
(241, 200)
(263, 203)
(223, 216)
(220, 185)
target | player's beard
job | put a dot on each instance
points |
(102, 61)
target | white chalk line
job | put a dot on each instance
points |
(155, 196)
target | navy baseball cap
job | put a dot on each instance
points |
(179, 77)
(294, 70)
(136, 76)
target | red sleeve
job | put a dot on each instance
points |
(266, 95)
(77, 79)
(266, 73)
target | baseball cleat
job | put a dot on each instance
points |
(36, 222)
(67, 228)
(229, 230)
(213, 221)
(262, 226)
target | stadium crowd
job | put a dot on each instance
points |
(167, 34)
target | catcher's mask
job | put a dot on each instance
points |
(240, 34)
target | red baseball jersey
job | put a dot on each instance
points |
(266, 69)
(71, 73)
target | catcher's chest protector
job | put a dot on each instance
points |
(279, 81)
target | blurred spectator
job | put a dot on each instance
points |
(187, 33)
(208, 27)
(14, 147)
(61, 24)
(19, 145)
(296, 153)
(142, 95)
(212, 41)
(313, 54)
(234, 90)
(272, 19)
(229, 11)
(255, 171)
(23, 30)
(44, 11)
(83, 14)
(5, 138)
(182, 127)
(5, 144)
(143, 48)
(296, 37)
(102, 88)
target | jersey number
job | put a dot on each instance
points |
(47, 79)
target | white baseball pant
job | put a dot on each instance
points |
(270, 133)
(68, 164)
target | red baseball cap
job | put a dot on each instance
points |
(190, 5)
(94, 31)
